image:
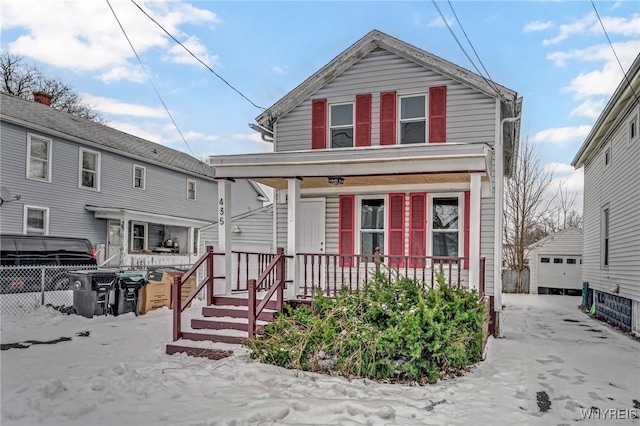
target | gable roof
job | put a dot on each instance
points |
(622, 101)
(373, 40)
(42, 118)
(555, 236)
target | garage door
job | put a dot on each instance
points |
(559, 271)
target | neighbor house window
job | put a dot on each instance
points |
(605, 237)
(445, 226)
(607, 156)
(38, 158)
(138, 236)
(544, 260)
(191, 189)
(372, 225)
(36, 220)
(413, 119)
(89, 176)
(341, 125)
(633, 128)
(139, 176)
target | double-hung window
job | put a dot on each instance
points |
(138, 236)
(372, 225)
(139, 177)
(38, 158)
(341, 125)
(445, 229)
(605, 238)
(36, 220)
(89, 167)
(191, 189)
(413, 119)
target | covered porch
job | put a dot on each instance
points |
(311, 187)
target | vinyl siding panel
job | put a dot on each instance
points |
(617, 186)
(255, 227)
(470, 114)
(567, 243)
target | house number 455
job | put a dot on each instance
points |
(221, 211)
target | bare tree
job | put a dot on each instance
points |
(562, 215)
(525, 207)
(22, 79)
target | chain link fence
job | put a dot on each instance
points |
(26, 288)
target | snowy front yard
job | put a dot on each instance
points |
(118, 374)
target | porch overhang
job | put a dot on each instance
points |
(141, 216)
(385, 165)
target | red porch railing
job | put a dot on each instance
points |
(276, 267)
(179, 306)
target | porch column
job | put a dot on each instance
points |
(124, 247)
(224, 229)
(474, 230)
(293, 231)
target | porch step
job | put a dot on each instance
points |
(225, 324)
(235, 312)
(237, 338)
(240, 301)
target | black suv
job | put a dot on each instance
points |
(36, 251)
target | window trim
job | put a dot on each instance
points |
(132, 236)
(410, 120)
(144, 177)
(605, 239)
(358, 225)
(195, 196)
(81, 151)
(25, 216)
(49, 142)
(352, 126)
(607, 156)
(431, 198)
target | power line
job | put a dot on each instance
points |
(635, 95)
(198, 59)
(490, 84)
(149, 76)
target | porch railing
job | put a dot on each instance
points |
(207, 282)
(276, 268)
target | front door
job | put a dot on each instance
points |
(114, 242)
(312, 219)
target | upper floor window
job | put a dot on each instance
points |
(413, 119)
(341, 125)
(633, 128)
(36, 220)
(89, 169)
(607, 156)
(139, 176)
(38, 158)
(605, 238)
(445, 229)
(191, 189)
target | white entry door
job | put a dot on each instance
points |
(312, 218)
(114, 242)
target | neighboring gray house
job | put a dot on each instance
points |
(387, 146)
(611, 159)
(555, 263)
(127, 195)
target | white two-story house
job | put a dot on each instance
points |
(386, 151)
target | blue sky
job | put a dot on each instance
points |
(552, 53)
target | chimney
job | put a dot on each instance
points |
(42, 98)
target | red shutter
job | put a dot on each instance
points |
(363, 120)
(396, 230)
(417, 228)
(438, 114)
(319, 124)
(346, 229)
(387, 118)
(467, 215)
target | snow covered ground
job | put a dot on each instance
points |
(118, 374)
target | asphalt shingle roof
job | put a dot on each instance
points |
(41, 117)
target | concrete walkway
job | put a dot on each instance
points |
(566, 362)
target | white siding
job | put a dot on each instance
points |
(565, 243)
(470, 114)
(618, 186)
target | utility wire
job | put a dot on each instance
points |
(149, 76)
(490, 84)
(197, 59)
(635, 95)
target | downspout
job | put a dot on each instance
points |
(499, 208)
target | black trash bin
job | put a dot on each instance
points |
(128, 292)
(92, 291)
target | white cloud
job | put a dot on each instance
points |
(113, 106)
(576, 27)
(589, 24)
(537, 26)
(179, 55)
(255, 137)
(626, 50)
(590, 108)
(139, 130)
(438, 22)
(193, 135)
(571, 181)
(562, 135)
(129, 72)
(559, 168)
(280, 69)
(83, 35)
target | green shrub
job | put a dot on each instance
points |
(395, 330)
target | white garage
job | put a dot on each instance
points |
(555, 263)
